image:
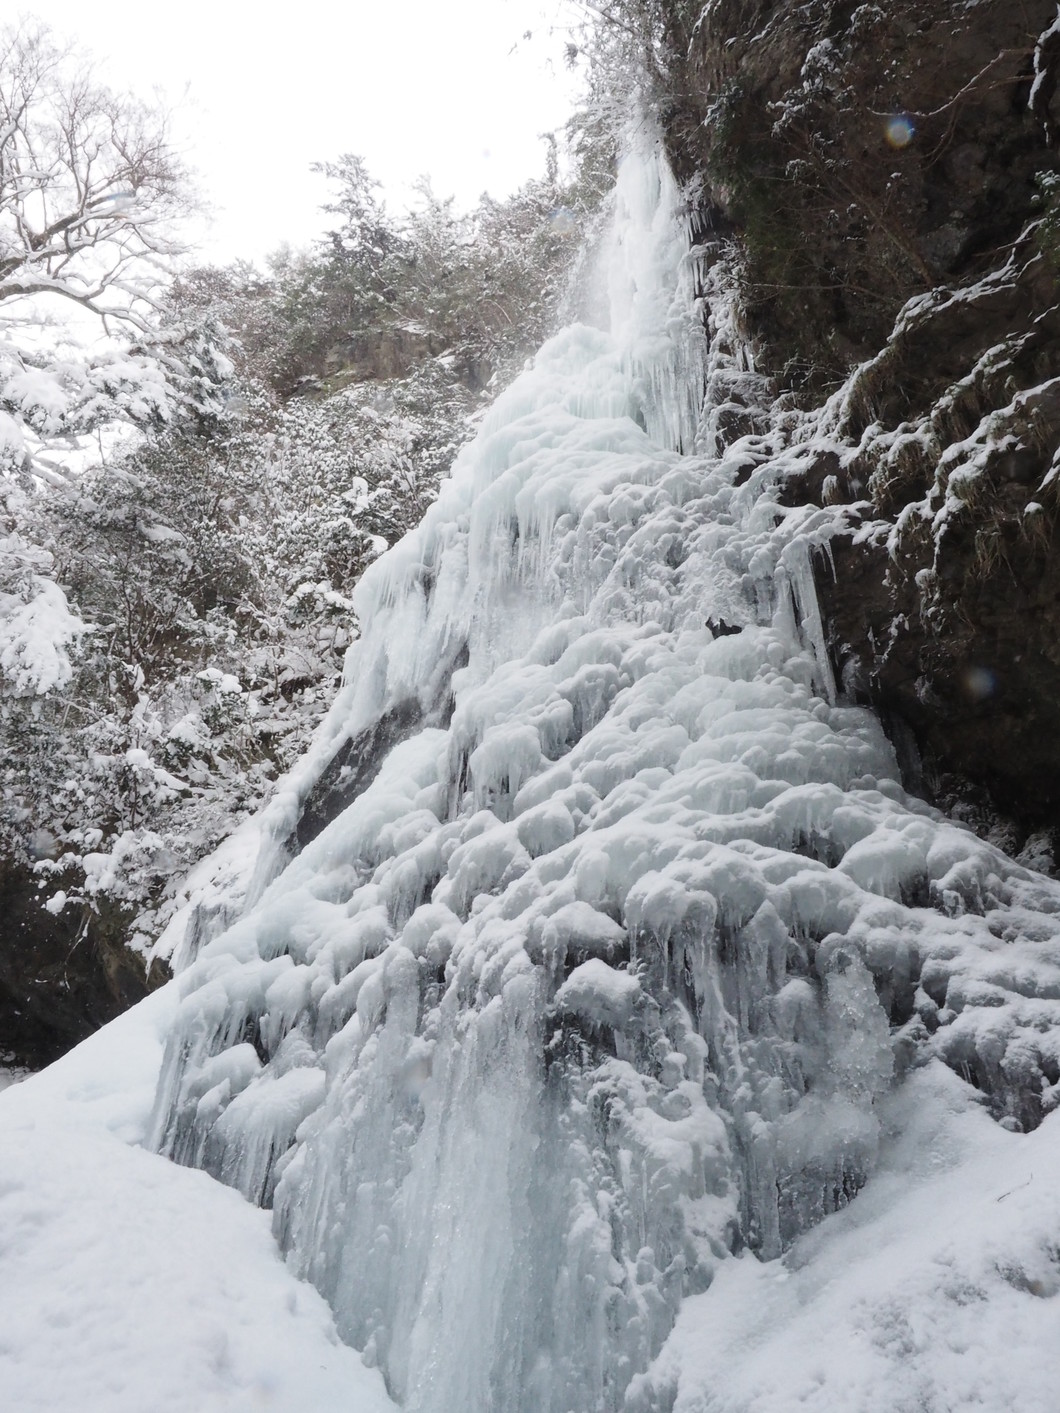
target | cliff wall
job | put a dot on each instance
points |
(885, 179)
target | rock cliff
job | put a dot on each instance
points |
(888, 179)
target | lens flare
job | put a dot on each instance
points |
(899, 131)
(980, 683)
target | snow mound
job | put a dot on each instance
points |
(127, 1283)
(937, 1289)
(598, 994)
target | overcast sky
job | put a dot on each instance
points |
(445, 87)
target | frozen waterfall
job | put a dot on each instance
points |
(594, 930)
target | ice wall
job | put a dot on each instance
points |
(601, 977)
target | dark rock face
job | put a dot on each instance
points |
(869, 163)
(950, 621)
(355, 766)
(61, 977)
(864, 153)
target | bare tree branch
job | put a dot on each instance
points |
(89, 182)
(91, 196)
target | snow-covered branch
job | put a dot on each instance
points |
(92, 194)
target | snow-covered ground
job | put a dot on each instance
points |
(131, 1285)
(936, 1291)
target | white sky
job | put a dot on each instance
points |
(412, 86)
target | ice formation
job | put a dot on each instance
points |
(590, 940)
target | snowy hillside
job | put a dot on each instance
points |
(606, 1027)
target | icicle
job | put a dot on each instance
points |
(797, 567)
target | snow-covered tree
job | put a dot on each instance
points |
(92, 194)
(206, 564)
(383, 292)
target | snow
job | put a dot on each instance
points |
(127, 1283)
(599, 994)
(633, 1041)
(39, 630)
(936, 1289)
(1046, 42)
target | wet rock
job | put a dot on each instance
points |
(355, 766)
(861, 154)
